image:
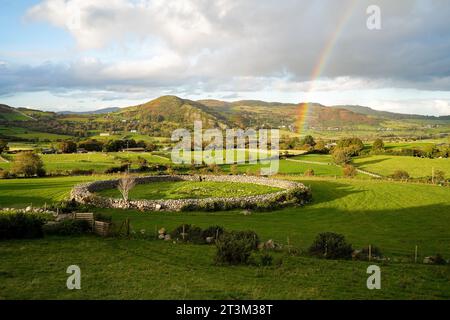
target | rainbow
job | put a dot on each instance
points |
(304, 109)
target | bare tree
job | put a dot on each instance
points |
(125, 185)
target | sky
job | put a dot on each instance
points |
(81, 55)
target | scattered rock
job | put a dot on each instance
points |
(437, 259)
(356, 253)
(28, 209)
(167, 237)
(162, 231)
(428, 260)
(269, 244)
(209, 239)
(161, 237)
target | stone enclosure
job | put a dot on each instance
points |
(85, 194)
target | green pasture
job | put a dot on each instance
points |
(30, 135)
(393, 216)
(191, 190)
(386, 165)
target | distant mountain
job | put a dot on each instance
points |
(275, 114)
(99, 111)
(387, 114)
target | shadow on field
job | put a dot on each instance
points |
(371, 161)
(325, 191)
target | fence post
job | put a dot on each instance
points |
(370, 252)
(289, 245)
(415, 254)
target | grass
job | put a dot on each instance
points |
(23, 133)
(20, 193)
(139, 269)
(393, 216)
(322, 158)
(416, 167)
(98, 162)
(191, 189)
(290, 168)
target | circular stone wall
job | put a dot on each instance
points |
(293, 192)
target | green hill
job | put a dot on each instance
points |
(172, 109)
(8, 113)
(275, 114)
(161, 116)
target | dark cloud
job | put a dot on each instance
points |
(244, 45)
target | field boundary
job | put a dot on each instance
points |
(85, 194)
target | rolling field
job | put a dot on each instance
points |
(31, 135)
(291, 167)
(392, 216)
(416, 167)
(98, 162)
(20, 193)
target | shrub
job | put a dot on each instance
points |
(349, 171)
(68, 228)
(28, 164)
(378, 145)
(438, 259)
(331, 246)
(213, 231)
(236, 247)
(68, 147)
(341, 156)
(400, 175)
(122, 168)
(298, 195)
(266, 259)
(354, 145)
(102, 217)
(364, 254)
(5, 174)
(191, 234)
(439, 176)
(81, 172)
(309, 173)
(21, 226)
(68, 206)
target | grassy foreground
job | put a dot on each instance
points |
(393, 216)
(138, 269)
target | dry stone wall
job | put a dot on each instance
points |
(86, 194)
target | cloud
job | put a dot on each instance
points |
(265, 38)
(231, 47)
